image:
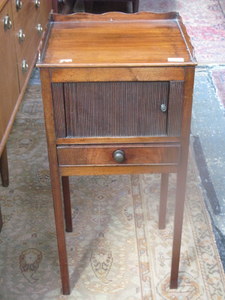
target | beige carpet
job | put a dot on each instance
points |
(116, 250)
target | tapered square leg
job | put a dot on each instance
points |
(135, 4)
(55, 182)
(89, 6)
(60, 233)
(1, 221)
(4, 168)
(178, 222)
(67, 203)
(163, 200)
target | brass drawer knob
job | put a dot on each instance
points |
(39, 28)
(7, 23)
(163, 107)
(21, 35)
(119, 156)
(37, 3)
(19, 4)
(25, 66)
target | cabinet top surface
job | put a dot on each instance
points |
(117, 39)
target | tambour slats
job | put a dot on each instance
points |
(115, 108)
(122, 109)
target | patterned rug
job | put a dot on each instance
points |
(116, 250)
(205, 21)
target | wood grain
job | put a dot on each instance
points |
(115, 16)
(109, 170)
(59, 109)
(12, 80)
(55, 180)
(117, 140)
(117, 74)
(115, 109)
(1, 221)
(163, 200)
(4, 168)
(9, 86)
(134, 155)
(114, 36)
(181, 176)
(175, 108)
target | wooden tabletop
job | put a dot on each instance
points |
(117, 39)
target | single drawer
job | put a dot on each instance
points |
(154, 154)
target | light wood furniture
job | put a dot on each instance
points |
(22, 25)
(21, 29)
(117, 100)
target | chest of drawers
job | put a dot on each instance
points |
(21, 29)
(117, 94)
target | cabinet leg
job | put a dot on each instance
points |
(67, 204)
(55, 6)
(178, 222)
(135, 4)
(1, 222)
(88, 6)
(60, 233)
(163, 200)
(4, 168)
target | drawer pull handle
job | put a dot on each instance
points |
(19, 4)
(7, 23)
(39, 28)
(25, 66)
(119, 156)
(163, 107)
(37, 3)
(21, 35)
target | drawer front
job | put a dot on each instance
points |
(45, 9)
(119, 155)
(26, 15)
(26, 58)
(31, 21)
(30, 42)
(117, 109)
(9, 87)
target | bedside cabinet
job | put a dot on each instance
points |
(117, 93)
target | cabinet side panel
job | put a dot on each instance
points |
(115, 108)
(175, 107)
(9, 86)
(59, 111)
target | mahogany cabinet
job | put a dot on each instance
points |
(117, 100)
